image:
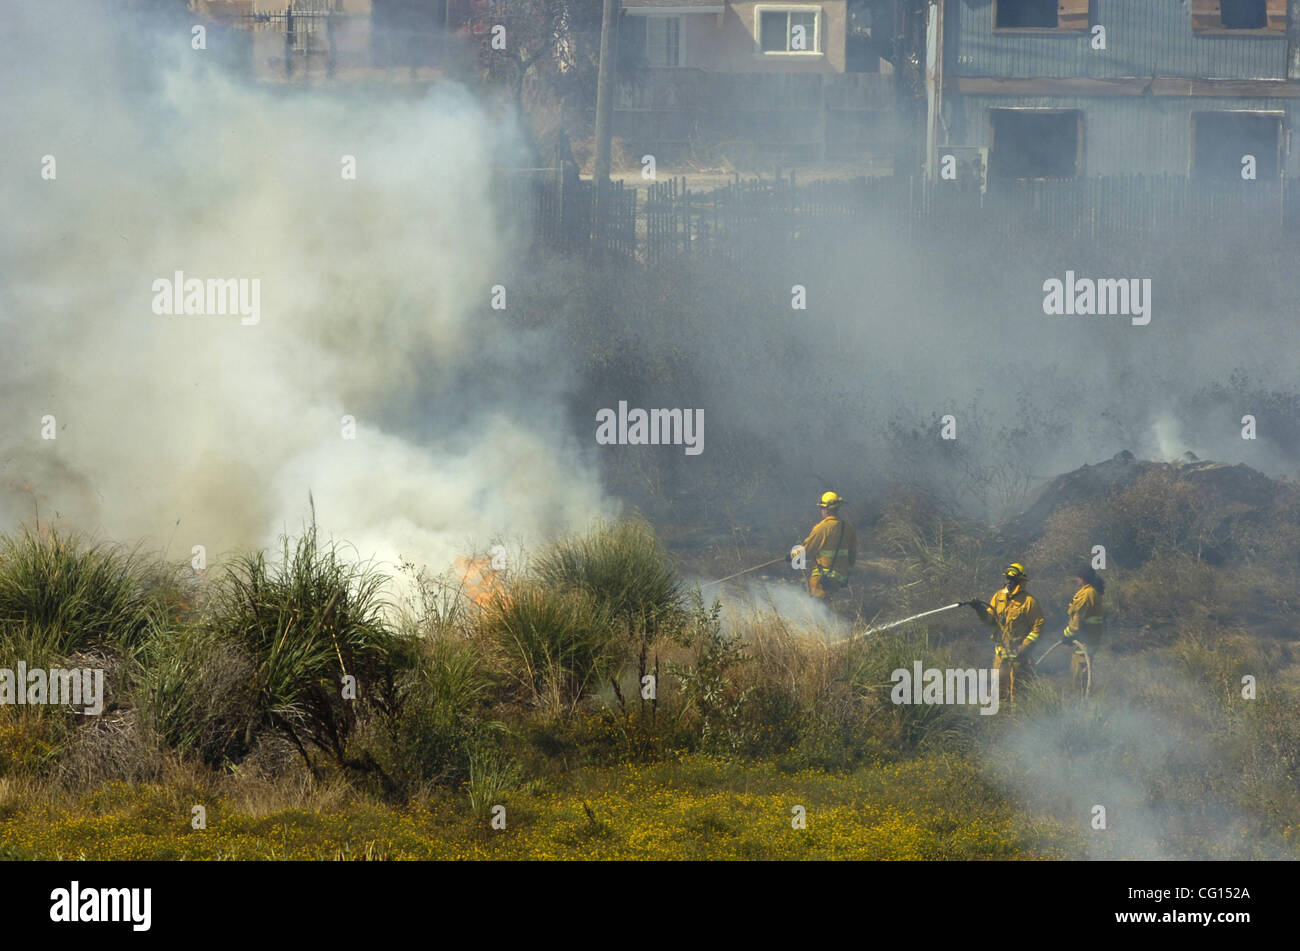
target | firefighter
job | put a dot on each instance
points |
(831, 547)
(1017, 621)
(1083, 632)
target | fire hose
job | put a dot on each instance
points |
(1083, 648)
(745, 572)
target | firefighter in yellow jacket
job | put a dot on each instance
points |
(831, 548)
(1017, 621)
(1084, 630)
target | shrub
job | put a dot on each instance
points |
(940, 551)
(868, 666)
(1168, 590)
(78, 592)
(621, 565)
(557, 644)
(436, 718)
(709, 684)
(37, 644)
(491, 775)
(195, 688)
(305, 623)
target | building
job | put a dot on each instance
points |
(305, 40)
(1075, 89)
(805, 80)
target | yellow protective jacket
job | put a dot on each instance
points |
(832, 546)
(1086, 613)
(1017, 618)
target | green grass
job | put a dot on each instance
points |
(934, 808)
(77, 593)
(307, 622)
(621, 565)
(557, 644)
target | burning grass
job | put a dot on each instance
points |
(528, 688)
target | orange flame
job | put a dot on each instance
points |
(479, 581)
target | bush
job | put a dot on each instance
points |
(492, 774)
(709, 683)
(868, 665)
(195, 688)
(436, 720)
(305, 623)
(557, 644)
(1171, 592)
(940, 551)
(79, 593)
(621, 565)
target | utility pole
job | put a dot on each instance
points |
(604, 114)
(934, 64)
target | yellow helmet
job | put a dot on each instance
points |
(1015, 572)
(830, 500)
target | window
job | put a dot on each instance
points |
(663, 41)
(1063, 16)
(1222, 140)
(1019, 14)
(1034, 143)
(1244, 14)
(1227, 16)
(861, 54)
(789, 30)
(649, 41)
(403, 32)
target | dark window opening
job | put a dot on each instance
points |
(772, 31)
(860, 55)
(1026, 13)
(1244, 14)
(1032, 144)
(631, 43)
(1222, 140)
(407, 32)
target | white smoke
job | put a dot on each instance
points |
(1166, 432)
(747, 602)
(374, 304)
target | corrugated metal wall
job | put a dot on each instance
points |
(1143, 38)
(1121, 135)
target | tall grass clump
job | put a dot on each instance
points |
(622, 566)
(438, 715)
(868, 664)
(195, 688)
(79, 593)
(557, 644)
(306, 622)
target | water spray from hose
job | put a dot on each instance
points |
(914, 617)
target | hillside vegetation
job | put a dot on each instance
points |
(311, 717)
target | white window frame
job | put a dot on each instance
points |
(680, 46)
(816, 10)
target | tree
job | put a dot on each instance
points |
(544, 51)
